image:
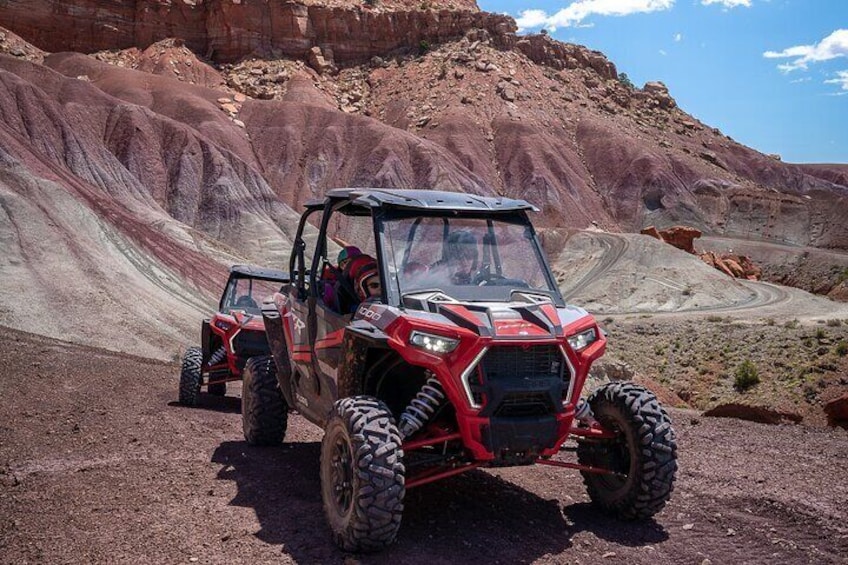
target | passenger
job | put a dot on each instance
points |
(370, 283)
(346, 254)
(352, 287)
(331, 275)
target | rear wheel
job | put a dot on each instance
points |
(190, 376)
(362, 474)
(643, 455)
(218, 389)
(264, 412)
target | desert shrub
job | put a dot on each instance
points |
(810, 393)
(842, 348)
(746, 375)
(625, 80)
(423, 46)
(770, 322)
(791, 324)
(714, 318)
(835, 323)
(820, 334)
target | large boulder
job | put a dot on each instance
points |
(682, 237)
(837, 411)
(761, 414)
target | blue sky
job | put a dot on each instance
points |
(772, 74)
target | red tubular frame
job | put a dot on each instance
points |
(593, 432)
(435, 474)
(417, 444)
(577, 466)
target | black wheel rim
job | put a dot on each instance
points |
(342, 474)
(617, 459)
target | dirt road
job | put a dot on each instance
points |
(97, 464)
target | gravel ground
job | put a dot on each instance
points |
(98, 464)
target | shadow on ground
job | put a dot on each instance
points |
(471, 518)
(206, 401)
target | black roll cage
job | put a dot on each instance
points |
(386, 212)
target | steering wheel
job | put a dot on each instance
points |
(485, 278)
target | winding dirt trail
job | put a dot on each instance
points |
(614, 254)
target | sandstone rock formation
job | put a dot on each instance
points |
(837, 411)
(193, 131)
(576, 140)
(762, 414)
(737, 266)
(681, 237)
(227, 30)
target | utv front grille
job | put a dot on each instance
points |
(515, 361)
(522, 405)
(519, 381)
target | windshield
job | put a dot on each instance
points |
(247, 294)
(466, 258)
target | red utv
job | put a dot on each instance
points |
(468, 358)
(234, 334)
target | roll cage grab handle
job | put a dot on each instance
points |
(297, 261)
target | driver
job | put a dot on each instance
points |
(461, 257)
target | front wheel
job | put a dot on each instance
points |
(190, 376)
(218, 389)
(643, 454)
(264, 412)
(362, 474)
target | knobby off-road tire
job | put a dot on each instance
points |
(362, 474)
(264, 412)
(645, 450)
(190, 376)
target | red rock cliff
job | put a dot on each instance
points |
(228, 30)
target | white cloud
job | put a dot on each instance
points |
(576, 12)
(831, 47)
(678, 37)
(663, 53)
(728, 3)
(841, 79)
(532, 19)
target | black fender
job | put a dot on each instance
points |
(206, 340)
(279, 351)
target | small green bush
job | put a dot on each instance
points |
(423, 47)
(625, 81)
(791, 325)
(746, 376)
(835, 323)
(842, 348)
(820, 334)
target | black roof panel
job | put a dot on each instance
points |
(427, 199)
(249, 271)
